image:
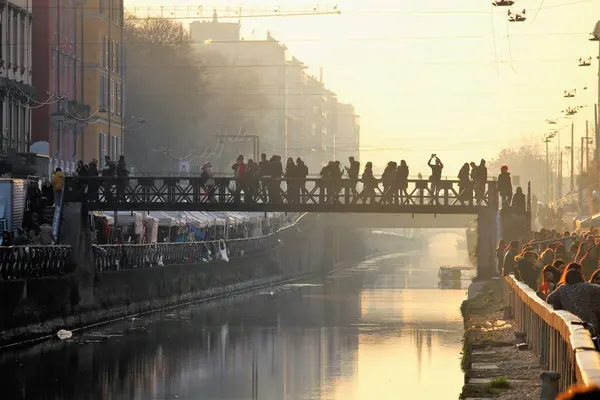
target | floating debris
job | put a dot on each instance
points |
(64, 334)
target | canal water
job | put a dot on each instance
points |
(382, 329)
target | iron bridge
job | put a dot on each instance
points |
(276, 195)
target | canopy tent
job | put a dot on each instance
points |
(166, 218)
(128, 217)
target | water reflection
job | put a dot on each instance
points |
(379, 330)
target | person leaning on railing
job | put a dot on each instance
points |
(577, 297)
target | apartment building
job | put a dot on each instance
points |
(17, 95)
(103, 78)
(60, 114)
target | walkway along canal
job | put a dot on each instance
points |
(380, 329)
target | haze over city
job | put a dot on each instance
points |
(452, 78)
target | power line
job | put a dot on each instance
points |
(419, 62)
(316, 41)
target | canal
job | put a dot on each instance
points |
(381, 329)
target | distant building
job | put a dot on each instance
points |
(17, 95)
(300, 118)
(60, 115)
(268, 58)
(103, 78)
(347, 136)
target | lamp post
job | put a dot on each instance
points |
(547, 139)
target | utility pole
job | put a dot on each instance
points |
(559, 176)
(581, 163)
(547, 139)
(587, 146)
(572, 156)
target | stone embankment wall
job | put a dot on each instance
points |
(34, 308)
(494, 366)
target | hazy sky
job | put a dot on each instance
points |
(454, 78)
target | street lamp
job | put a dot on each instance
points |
(547, 139)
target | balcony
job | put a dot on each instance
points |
(71, 112)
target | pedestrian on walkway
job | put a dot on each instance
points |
(58, 181)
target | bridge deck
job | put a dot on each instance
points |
(277, 195)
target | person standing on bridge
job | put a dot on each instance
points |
(480, 180)
(402, 181)
(388, 178)
(436, 175)
(352, 172)
(291, 176)
(239, 172)
(369, 184)
(264, 171)
(505, 186)
(58, 181)
(464, 184)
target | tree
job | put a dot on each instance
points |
(525, 163)
(186, 98)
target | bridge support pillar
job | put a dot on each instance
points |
(76, 232)
(486, 244)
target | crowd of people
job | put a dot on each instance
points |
(472, 177)
(563, 269)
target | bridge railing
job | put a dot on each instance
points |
(129, 256)
(562, 346)
(21, 262)
(137, 192)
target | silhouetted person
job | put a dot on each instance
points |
(402, 173)
(480, 180)
(353, 171)
(369, 184)
(436, 175)
(505, 186)
(388, 179)
(109, 171)
(122, 174)
(302, 170)
(264, 170)
(93, 172)
(291, 174)
(464, 183)
(518, 201)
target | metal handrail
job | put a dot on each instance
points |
(22, 262)
(554, 336)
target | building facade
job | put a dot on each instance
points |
(301, 116)
(103, 78)
(347, 135)
(17, 94)
(60, 114)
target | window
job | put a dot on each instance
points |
(119, 104)
(8, 40)
(53, 14)
(72, 79)
(102, 6)
(15, 27)
(101, 148)
(105, 52)
(23, 42)
(1, 42)
(113, 50)
(113, 95)
(102, 90)
(53, 69)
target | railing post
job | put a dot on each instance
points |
(549, 389)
